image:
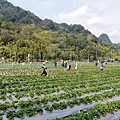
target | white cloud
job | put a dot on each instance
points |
(79, 12)
(114, 33)
(74, 15)
(114, 36)
(95, 20)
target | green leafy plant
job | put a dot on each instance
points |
(39, 110)
(30, 112)
(10, 115)
(48, 108)
(20, 114)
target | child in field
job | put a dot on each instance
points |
(101, 67)
(55, 64)
(96, 62)
(69, 68)
(103, 63)
(62, 63)
(76, 65)
(44, 70)
(65, 64)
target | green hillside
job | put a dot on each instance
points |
(17, 14)
(23, 33)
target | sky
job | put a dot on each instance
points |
(97, 16)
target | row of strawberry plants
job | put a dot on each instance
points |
(80, 76)
(29, 112)
(69, 88)
(37, 70)
(73, 93)
(96, 112)
(75, 101)
(83, 74)
(76, 85)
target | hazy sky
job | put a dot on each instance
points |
(98, 16)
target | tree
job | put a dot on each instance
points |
(83, 52)
(88, 51)
(110, 49)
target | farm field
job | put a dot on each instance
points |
(85, 93)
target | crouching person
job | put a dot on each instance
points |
(44, 70)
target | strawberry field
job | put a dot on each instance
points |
(85, 93)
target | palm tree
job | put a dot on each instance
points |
(3, 50)
(113, 54)
(96, 50)
(100, 49)
(110, 49)
(9, 45)
(88, 51)
(83, 51)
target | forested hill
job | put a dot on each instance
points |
(20, 16)
(48, 24)
(17, 14)
(22, 32)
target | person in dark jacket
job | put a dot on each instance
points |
(44, 70)
(69, 68)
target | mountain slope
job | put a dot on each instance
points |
(105, 38)
(32, 34)
(20, 16)
(22, 32)
(17, 14)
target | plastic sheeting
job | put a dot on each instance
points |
(66, 112)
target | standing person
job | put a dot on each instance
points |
(65, 64)
(96, 62)
(104, 63)
(76, 65)
(55, 64)
(62, 63)
(101, 67)
(3, 60)
(69, 68)
(44, 70)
